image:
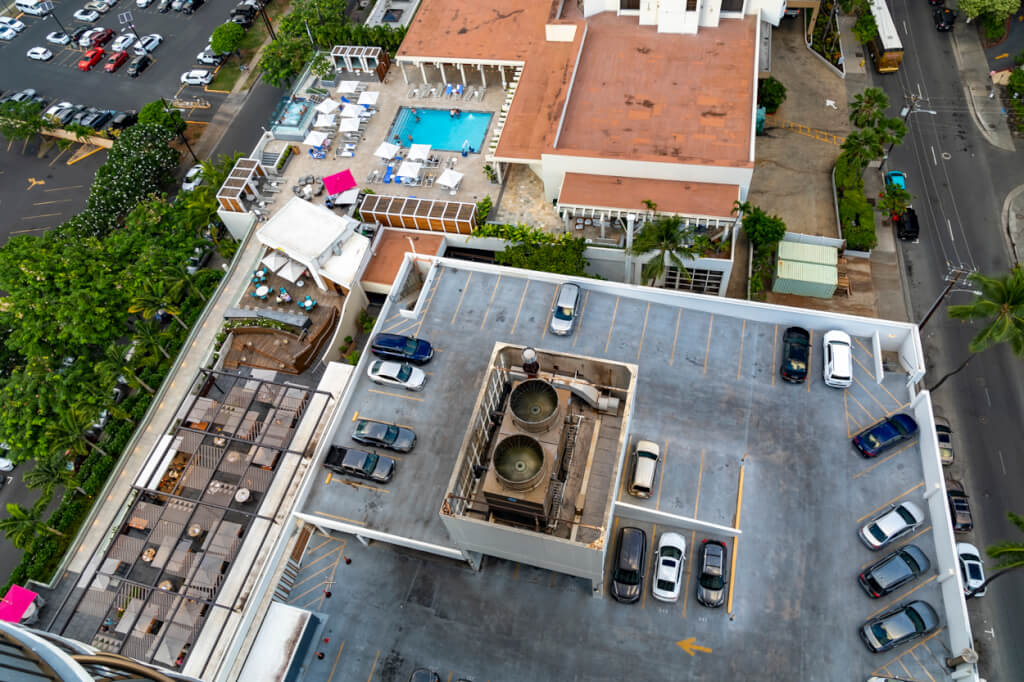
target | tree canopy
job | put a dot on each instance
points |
(157, 113)
(226, 38)
(998, 8)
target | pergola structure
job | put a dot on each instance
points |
(419, 214)
(361, 59)
(454, 70)
(241, 187)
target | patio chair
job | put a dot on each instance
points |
(479, 94)
(458, 90)
(429, 180)
(414, 92)
(433, 91)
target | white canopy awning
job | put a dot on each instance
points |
(315, 138)
(346, 198)
(349, 125)
(450, 179)
(409, 169)
(386, 150)
(352, 110)
(325, 121)
(369, 98)
(419, 152)
(275, 260)
(348, 86)
(327, 106)
(291, 271)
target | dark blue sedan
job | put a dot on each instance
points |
(885, 435)
(399, 347)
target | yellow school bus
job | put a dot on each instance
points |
(885, 48)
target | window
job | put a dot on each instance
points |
(732, 5)
(629, 4)
(700, 281)
(691, 5)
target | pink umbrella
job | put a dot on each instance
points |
(339, 182)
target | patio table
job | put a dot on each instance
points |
(262, 290)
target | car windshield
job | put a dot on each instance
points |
(876, 532)
(880, 633)
(563, 313)
(627, 577)
(671, 553)
(392, 434)
(666, 585)
(906, 515)
(798, 356)
(881, 434)
(410, 346)
(711, 582)
(404, 372)
(370, 463)
(974, 571)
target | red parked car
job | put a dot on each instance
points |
(103, 37)
(90, 59)
(115, 61)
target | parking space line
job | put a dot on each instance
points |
(707, 348)
(900, 661)
(615, 533)
(735, 541)
(310, 577)
(914, 656)
(520, 308)
(551, 311)
(515, 573)
(886, 459)
(650, 566)
(354, 484)
(643, 331)
(886, 504)
(810, 358)
(629, 450)
(63, 189)
(490, 302)
(743, 334)
(664, 462)
(336, 658)
(340, 518)
(846, 411)
(327, 540)
(611, 327)
(672, 359)
(863, 347)
(465, 288)
(871, 395)
(775, 342)
(318, 586)
(902, 597)
(700, 477)
(583, 311)
(871, 417)
(689, 565)
(396, 395)
(374, 666)
(325, 554)
(940, 660)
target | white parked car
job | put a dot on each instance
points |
(390, 373)
(837, 366)
(97, 6)
(142, 4)
(13, 24)
(58, 38)
(147, 44)
(86, 39)
(8, 34)
(668, 567)
(197, 77)
(86, 15)
(971, 569)
(122, 42)
(6, 464)
(895, 522)
(40, 54)
(193, 178)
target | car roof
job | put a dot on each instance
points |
(568, 294)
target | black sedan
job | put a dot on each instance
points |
(944, 18)
(899, 625)
(711, 573)
(796, 348)
(885, 435)
(382, 435)
(892, 572)
(400, 347)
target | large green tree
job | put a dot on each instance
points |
(51, 471)
(226, 38)
(671, 240)
(67, 431)
(22, 526)
(998, 8)
(154, 297)
(159, 114)
(868, 108)
(21, 120)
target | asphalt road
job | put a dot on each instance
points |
(959, 182)
(59, 79)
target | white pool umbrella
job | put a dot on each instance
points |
(369, 98)
(327, 106)
(275, 261)
(450, 179)
(386, 150)
(419, 152)
(315, 138)
(409, 169)
(349, 125)
(352, 110)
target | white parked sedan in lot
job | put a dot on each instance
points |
(40, 54)
(668, 567)
(147, 44)
(122, 42)
(58, 38)
(895, 522)
(391, 373)
(197, 77)
(86, 39)
(13, 24)
(86, 15)
(97, 6)
(8, 34)
(143, 3)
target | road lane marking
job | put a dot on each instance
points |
(61, 189)
(54, 201)
(743, 333)
(935, 160)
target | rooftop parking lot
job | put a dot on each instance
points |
(709, 394)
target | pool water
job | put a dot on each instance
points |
(440, 130)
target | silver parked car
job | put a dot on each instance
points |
(566, 310)
(390, 373)
(895, 522)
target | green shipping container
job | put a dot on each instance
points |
(808, 253)
(805, 279)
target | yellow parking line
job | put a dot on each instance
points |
(515, 573)
(579, 327)
(356, 484)
(886, 504)
(326, 541)
(551, 311)
(664, 461)
(871, 417)
(700, 477)
(846, 411)
(520, 308)
(373, 667)
(882, 386)
(643, 331)
(886, 459)
(336, 658)
(743, 333)
(318, 586)
(650, 566)
(310, 577)
(871, 395)
(707, 349)
(672, 359)
(490, 302)
(614, 538)
(735, 542)
(901, 597)
(689, 564)
(611, 327)
(340, 518)
(47, 203)
(396, 395)
(465, 288)
(918, 661)
(810, 358)
(863, 347)
(62, 189)
(629, 453)
(775, 342)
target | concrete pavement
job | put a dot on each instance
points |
(982, 99)
(1013, 223)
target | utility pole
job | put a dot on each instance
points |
(47, 7)
(953, 276)
(913, 108)
(266, 20)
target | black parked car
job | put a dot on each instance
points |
(899, 625)
(190, 6)
(944, 18)
(959, 507)
(399, 347)
(138, 64)
(390, 436)
(907, 227)
(164, 7)
(628, 574)
(892, 572)
(796, 345)
(123, 120)
(711, 573)
(360, 464)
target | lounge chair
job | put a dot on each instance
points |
(414, 92)
(388, 174)
(479, 94)
(372, 177)
(448, 90)
(429, 180)
(432, 92)
(458, 90)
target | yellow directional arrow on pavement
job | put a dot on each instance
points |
(33, 182)
(690, 646)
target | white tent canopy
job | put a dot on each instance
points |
(386, 150)
(292, 271)
(349, 125)
(347, 198)
(325, 121)
(409, 169)
(327, 106)
(348, 86)
(369, 98)
(419, 152)
(274, 260)
(315, 138)
(450, 178)
(352, 110)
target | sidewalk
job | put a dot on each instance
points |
(1001, 56)
(1013, 222)
(973, 66)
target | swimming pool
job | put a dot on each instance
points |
(439, 129)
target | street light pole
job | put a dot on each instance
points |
(266, 20)
(48, 8)
(905, 112)
(957, 274)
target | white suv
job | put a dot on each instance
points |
(838, 365)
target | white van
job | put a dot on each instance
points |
(34, 7)
(645, 465)
(838, 365)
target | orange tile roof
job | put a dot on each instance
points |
(391, 249)
(671, 196)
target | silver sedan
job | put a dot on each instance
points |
(400, 374)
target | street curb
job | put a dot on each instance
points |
(969, 96)
(1008, 226)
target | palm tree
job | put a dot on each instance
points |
(868, 108)
(155, 297)
(181, 280)
(23, 525)
(1011, 555)
(67, 431)
(863, 146)
(50, 472)
(667, 236)
(150, 338)
(115, 363)
(1001, 303)
(894, 200)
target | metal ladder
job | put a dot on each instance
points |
(571, 431)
